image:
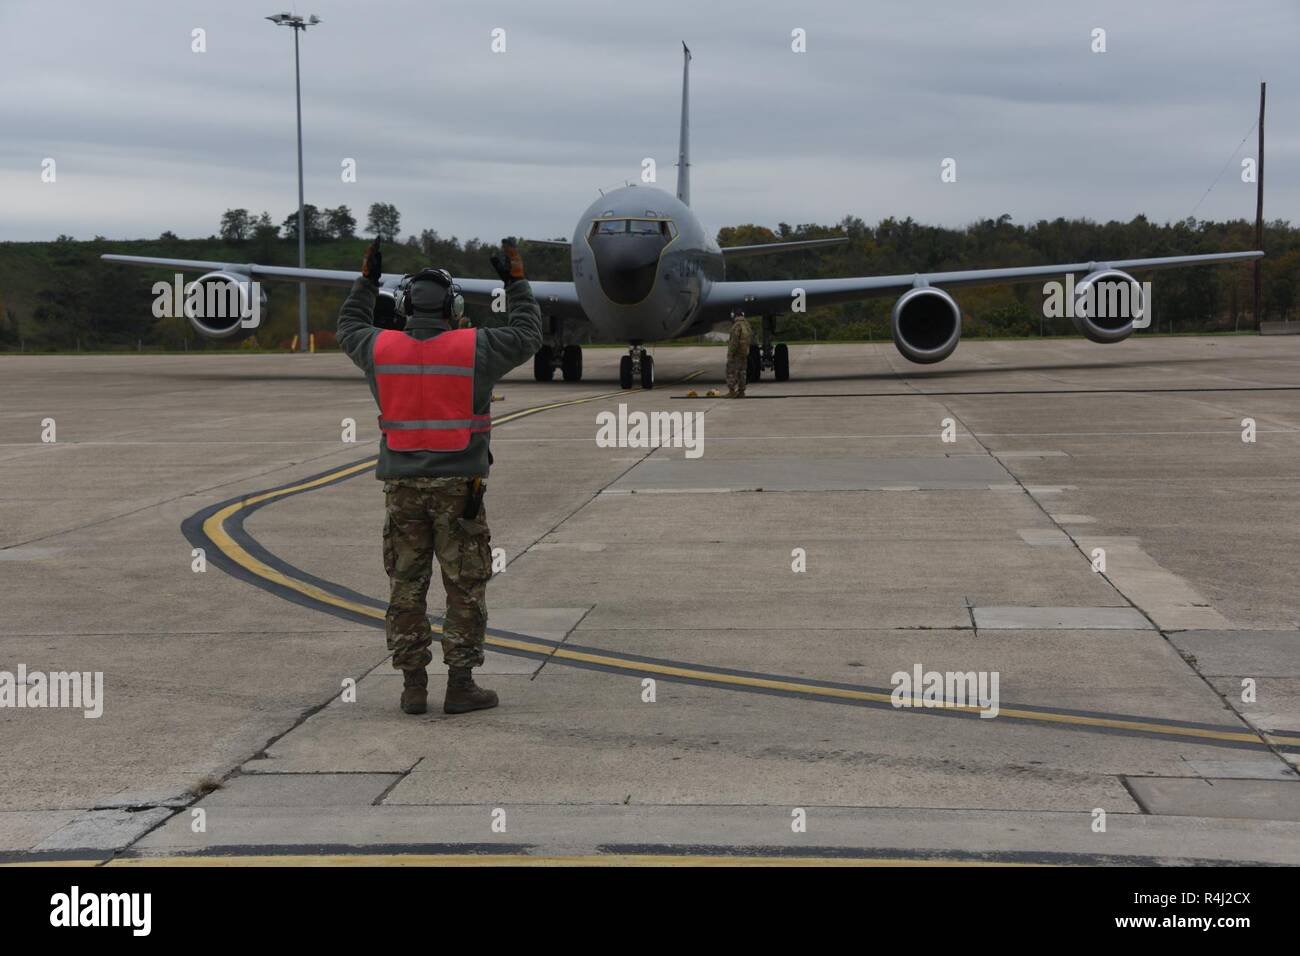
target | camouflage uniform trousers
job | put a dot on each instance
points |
(737, 369)
(425, 522)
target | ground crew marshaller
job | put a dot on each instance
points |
(433, 384)
(737, 355)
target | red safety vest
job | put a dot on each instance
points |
(426, 390)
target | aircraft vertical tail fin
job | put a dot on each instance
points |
(684, 143)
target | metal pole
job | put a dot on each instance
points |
(302, 216)
(1259, 202)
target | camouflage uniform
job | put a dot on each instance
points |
(738, 357)
(425, 521)
(426, 489)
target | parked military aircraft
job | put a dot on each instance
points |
(646, 270)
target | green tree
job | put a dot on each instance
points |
(340, 223)
(265, 229)
(383, 221)
(60, 313)
(316, 230)
(236, 225)
(9, 334)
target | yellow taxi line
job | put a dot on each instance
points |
(214, 528)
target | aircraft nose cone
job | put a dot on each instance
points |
(626, 265)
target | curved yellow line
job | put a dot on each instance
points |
(213, 528)
(768, 683)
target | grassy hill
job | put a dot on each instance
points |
(53, 294)
(59, 295)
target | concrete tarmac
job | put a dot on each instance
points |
(695, 655)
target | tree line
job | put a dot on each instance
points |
(239, 225)
(1201, 299)
(59, 295)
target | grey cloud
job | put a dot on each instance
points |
(150, 136)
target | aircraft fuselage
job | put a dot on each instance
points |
(642, 265)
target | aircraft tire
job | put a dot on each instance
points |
(571, 363)
(544, 364)
(647, 371)
(754, 372)
(781, 363)
(625, 372)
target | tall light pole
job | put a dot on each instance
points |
(299, 23)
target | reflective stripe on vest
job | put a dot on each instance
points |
(426, 390)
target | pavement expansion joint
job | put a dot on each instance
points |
(686, 588)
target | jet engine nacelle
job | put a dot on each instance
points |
(926, 324)
(224, 305)
(1105, 304)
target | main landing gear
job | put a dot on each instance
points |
(775, 358)
(568, 358)
(637, 364)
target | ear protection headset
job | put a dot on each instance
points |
(453, 303)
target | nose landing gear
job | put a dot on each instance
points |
(637, 364)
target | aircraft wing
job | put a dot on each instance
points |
(775, 296)
(771, 248)
(555, 298)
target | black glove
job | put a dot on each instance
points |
(372, 266)
(509, 266)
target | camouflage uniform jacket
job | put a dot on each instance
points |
(738, 344)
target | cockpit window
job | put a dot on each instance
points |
(636, 227)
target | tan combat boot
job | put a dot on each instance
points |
(415, 691)
(463, 695)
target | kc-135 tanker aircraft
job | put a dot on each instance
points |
(646, 270)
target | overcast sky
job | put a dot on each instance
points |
(148, 135)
